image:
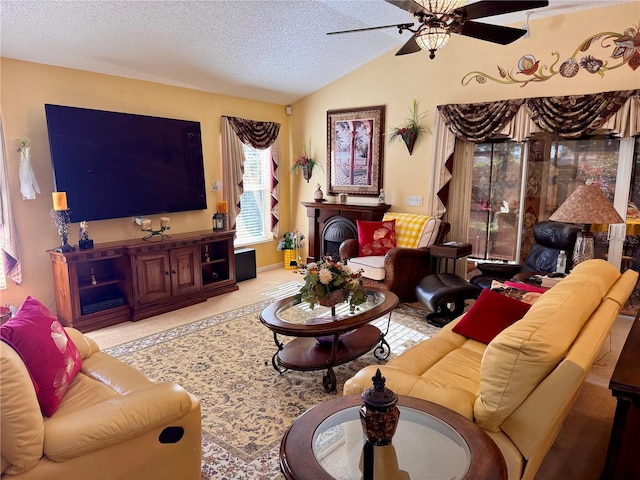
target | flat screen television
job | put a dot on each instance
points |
(115, 165)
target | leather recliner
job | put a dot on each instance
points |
(550, 237)
(113, 423)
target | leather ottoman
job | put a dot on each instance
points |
(444, 294)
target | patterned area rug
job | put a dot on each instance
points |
(225, 361)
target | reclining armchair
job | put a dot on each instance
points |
(111, 423)
(401, 268)
(550, 237)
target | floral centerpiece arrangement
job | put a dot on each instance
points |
(410, 129)
(305, 163)
(328, 282)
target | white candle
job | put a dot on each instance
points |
(164, 222)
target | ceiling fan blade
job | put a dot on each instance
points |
(411, 46)
(489, 8)
(407, 5)
(491, 33)
(401, 26)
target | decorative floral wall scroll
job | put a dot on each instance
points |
(626, 51)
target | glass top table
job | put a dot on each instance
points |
(431, 442)
(327, 337)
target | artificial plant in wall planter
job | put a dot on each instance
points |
(411, 129)
(304, 163)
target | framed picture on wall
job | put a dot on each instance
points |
(355, 151)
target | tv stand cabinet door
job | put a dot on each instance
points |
(185, 266)
(153, 277)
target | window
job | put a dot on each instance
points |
(498, 171)
(495, 200)
(253, 223)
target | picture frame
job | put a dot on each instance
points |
(355, 151)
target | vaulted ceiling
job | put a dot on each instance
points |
(270, 50)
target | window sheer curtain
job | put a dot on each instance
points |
(572, 116)
(8, 232)
(259, 135)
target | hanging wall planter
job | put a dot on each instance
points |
(307, 171)
(411, 129)
(409, 141)
(305, 164)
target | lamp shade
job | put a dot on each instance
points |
(587, 205)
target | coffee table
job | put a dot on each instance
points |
(325, 340)
(431, 442)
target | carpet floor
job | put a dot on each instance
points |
(225, 361)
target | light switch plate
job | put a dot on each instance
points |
(414, 201)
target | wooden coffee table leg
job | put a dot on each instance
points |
(329, 381)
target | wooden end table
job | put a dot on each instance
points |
(326, 338)
(326, 442)
(450, 252)
(622, 456)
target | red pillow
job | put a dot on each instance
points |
(50, 356)
(376, 238)
(491, 313)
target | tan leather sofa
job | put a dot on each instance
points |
(113, 423)
(520, 387)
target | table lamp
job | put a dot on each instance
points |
(586, 205)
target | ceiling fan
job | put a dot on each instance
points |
(438, 19)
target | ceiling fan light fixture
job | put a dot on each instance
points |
(432, 38)
(441, 7)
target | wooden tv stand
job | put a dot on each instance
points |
(134, 279)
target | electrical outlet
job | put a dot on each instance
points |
(414, 201)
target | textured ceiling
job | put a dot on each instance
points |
(271, 50)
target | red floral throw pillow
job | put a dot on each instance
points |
(50, 356)
(376, 238)
(491, 313)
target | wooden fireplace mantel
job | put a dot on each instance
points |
(320, 213)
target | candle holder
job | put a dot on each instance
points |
(154, 234)
(61, 220)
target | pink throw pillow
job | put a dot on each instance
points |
(376, 238)
(491, 313)
(50, 356)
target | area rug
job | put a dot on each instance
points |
(225, 361)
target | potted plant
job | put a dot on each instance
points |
(328, 283)
(410, 129)
(289, 242)
(305, 163)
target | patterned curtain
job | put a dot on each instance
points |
(258, 135)
(478, 122)
(576, 116)
(8, 232)
(570, 116)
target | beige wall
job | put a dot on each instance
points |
(389, 80)
(26, 87)
(395, 81)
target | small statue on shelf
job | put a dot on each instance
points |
(318, 196)
(83, 237)
(381, 197)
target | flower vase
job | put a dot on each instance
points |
(290, 262)
(307, 171)
(409, 141)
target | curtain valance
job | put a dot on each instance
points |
(571, 116)
(259, 135)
